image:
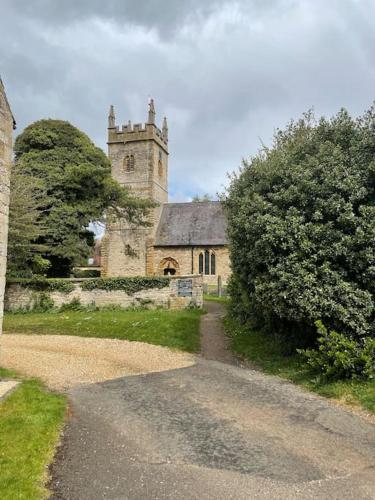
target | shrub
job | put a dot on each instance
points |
(41, 284)
(86, 273)
(128, 285)
(73, 305)
(301, 227)
(43, 303)
(239, 305)
(339, 356)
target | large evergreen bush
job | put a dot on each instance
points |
(302, 229)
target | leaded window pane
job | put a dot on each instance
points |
(213, 263)
(201, 263)
(206, 262)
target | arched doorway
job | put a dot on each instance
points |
(169, 267)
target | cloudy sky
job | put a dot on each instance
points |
(225, 72)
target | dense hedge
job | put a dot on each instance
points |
(43, 284)
(301, 225)
(128, 285)
(86, 273)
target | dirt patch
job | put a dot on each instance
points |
(63, 362)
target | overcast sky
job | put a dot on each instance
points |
(226, 73)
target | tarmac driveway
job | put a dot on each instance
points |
(211, 431)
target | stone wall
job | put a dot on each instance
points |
(169, 297)
(6, 144)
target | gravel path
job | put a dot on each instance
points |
(63, 362)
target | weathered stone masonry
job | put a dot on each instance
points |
(7, 124)
(181, 292)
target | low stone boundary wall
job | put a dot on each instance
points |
(181, 292)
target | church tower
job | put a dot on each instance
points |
(139, 157)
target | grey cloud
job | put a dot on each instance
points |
(227, 73)
(164, 15)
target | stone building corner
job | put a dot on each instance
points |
(7, 125)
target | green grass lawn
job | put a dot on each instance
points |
(31, 419)
(176, 329)
(216, 298)
(266, 353)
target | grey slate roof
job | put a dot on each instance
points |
(192, 224)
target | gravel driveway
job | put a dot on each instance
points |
(63, 362)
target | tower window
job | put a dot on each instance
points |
(129, 163)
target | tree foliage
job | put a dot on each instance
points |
(75, 177)
(302, 228)
(199, 198)
(338, 356)
(27, 198)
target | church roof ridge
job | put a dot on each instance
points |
(206, 202)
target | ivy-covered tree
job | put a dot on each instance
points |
(302, 228)
(75, 176)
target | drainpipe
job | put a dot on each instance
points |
(192, 260)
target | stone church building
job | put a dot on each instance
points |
(183, 238)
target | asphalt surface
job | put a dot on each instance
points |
(211, 431)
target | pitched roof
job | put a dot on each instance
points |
(192, 224)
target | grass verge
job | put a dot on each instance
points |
(267, 354)
(216, 298)
(176, 329)
(31, 419)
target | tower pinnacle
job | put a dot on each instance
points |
(151, 111)
(111, 117)
(165, 128)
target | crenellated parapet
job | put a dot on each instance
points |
(138, 131)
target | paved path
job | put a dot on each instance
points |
(211, 431)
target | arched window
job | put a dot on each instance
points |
(206, 262)
(201, 263)
(213, 263)
(129, 163)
